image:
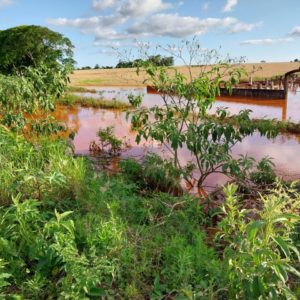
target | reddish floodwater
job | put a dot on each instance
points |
(279, 109)
(285, 149)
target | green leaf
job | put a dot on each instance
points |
(283, 246)
(253, 228)
(293, 270)
(96, 292)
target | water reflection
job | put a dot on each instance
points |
(278, 109)
(284, 149)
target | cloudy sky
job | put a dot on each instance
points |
(258, 29)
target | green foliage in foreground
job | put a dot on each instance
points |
(38, 171)
(87, 236)
(71, 100)
(24, 98)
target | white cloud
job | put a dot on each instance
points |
(167, 25)
(243, 27)
(6, 2)
(131, 19)
(296, 31)
(140, 8)
(88, 24)
(112, 44)
(230, 5)
(104, 4)
(132, 8)
(268, 41)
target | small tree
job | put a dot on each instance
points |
(182, 120)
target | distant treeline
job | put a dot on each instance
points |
(157, 60)
(95, 68)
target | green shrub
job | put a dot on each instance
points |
(264, 173)
(260, 254)
(108, 143)
(38, 170)
(155, 173)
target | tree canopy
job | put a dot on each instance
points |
(26, 46)
(156, 60)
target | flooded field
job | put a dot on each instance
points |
(262, 108)
(284, 149)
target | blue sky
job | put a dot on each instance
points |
(259, 30)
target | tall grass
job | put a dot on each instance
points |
(71, 100)
(80, 89)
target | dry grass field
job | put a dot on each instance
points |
(128, 77)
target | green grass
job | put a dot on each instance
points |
(67, 232)
(278, 126)
(71, 100)
(91, 82)
(79, 89)
(87, 235)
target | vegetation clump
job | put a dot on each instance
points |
(71, 100)
(80, 89)
(154, 174)
(105, 239)
(108, 143)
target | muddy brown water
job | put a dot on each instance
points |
(262, 108)
(284, 149)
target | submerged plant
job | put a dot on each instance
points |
(108, 143)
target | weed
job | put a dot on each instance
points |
(71, 100)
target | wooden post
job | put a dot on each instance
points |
(286, 86)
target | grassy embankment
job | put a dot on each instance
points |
(70, 233)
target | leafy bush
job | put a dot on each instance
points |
(155, 173)
(265, 173)
(38, 170)
(108, 143)
(23, 98)
(260, 254)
